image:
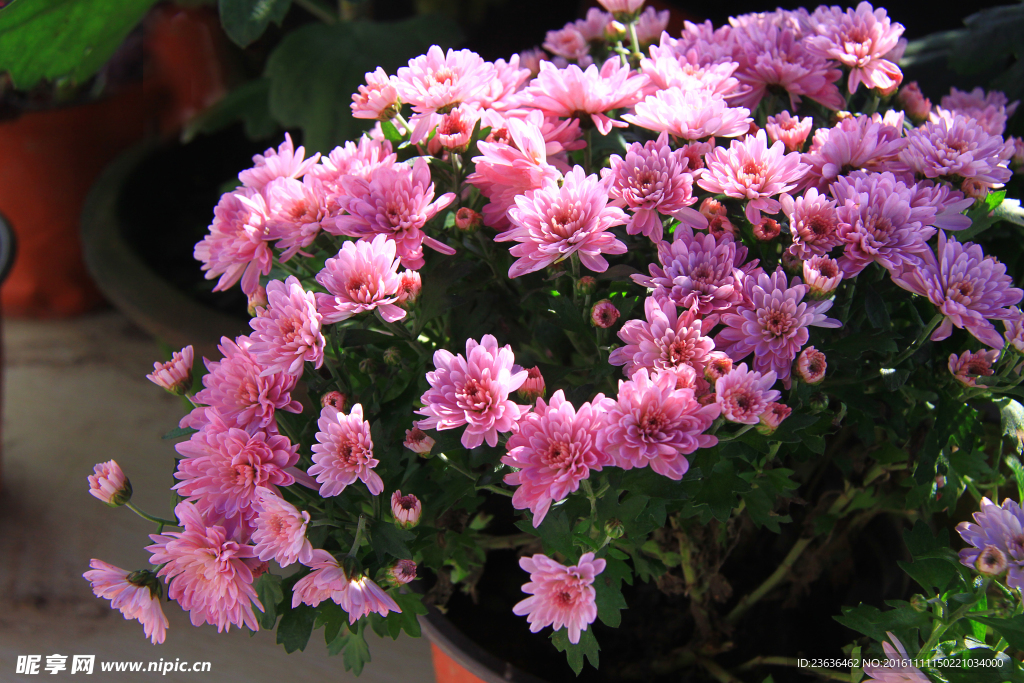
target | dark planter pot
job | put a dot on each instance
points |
(457, 659)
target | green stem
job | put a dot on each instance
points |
(792, 661)
(151, 518)
(496, 489)
(929, 328)
(942, 626)
(731, 437)
(316, 10)
(406, 129)
(359, 536)
(634, 42)
(585, 483)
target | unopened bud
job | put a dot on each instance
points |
(368, 366)
(406, 509)
(401, 573)
(719, 365)
(533, 388)
(468, 220)
(767, 230)
(176, 374)
(260, 569)
(586, 286)
(822, 275)
(393, 356)
(257, 301)
(819, 402)
(720, 226)
(791, 263)
(711, 207)
(604, 314)
(335, 399)
(772, 417)
(409, 288)
(614, 30)
(108, 483)
(418, 442)
(811, 365)
(614, 528)
(918, 603)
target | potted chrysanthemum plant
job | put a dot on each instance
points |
(639, 330)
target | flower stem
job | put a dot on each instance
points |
(151, 518)
(359, 536)
(925, 333)
(634, 42)
(316, 10)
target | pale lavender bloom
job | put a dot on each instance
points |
(969, 289)
(1001, 527)
(280, 532)
(772, 323)
(690, 114)
(287, 331)
(989, 110)
(650, 25)
(949, 204)
(897, 669)
(560, 596)
(971, 364)
(813, 223)
(743, 395)
(698, 272)
(860, 40)
(665, 341)
(861, 142)
(1014, 333)
(958, 147)
(360, 596)
(653, 180)
(751, 170)
(473, 391)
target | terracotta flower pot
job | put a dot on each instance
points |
(457, 659)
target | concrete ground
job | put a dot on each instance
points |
(75, 394)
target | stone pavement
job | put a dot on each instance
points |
(75, 394)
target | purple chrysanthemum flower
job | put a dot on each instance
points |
(772, 322)
(1014, 333)
(859, 39)
(698, 272)
(989, 110)
(473, 391)
(971, 364)
(553, 222)
(653, 423)
(958, 147)
(555, 449)
(1001, 527)
(969, 289)
(665, 341)
(287, 330)
(813, 223)
(652, 180)
(897, 668)
(878, 222)
(870, 143)
(743, 395)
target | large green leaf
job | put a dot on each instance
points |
(245, 20)
(315, 70)
(51, 39)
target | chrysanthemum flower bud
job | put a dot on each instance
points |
(586, 286)
(720, 226)
(914, 103)
(368, 366)
(533, 388)
(819, 402)
(108, 483)
(707, 399)
(401, 572)
(406, 509)
(970, 365)
(257, 300)
(604, 314)
(176, 374)
(393, 356)
(260, 569)
(468, 220)
(418, 442)
(614, 528)
(767, 230)
(335, 399)
(823, 275)
(1017, 160)
(614, 30)
(409, 288)
(772, 417)
(811, 365)
(918, 603)
(791, 263)
(719, 365)
(991, 561)
(711, 207)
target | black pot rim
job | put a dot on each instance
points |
(8, 248)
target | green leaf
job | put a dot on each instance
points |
(411, 604)
(388, 539)
(52, 39)
(268, 589)
(391, 134)
(575, 653)
(719, 490)
(610, 601)
(569, 316)
(332, 618)
(1012, 415)
(179, 432)
(993, 34)
(357, 652)
(1012, 629)
(248, 103)
(873, 622)
(316, 68)
(874, 308)
(295, 627)
(554, 531)
(245, 20)
(931, 573)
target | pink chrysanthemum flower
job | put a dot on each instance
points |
(772, 323)
(560, 596)
(791, 130)
(897, 668)
(811, 365)
(225, 468)
(108, 483)
(208, 571)
(698, 272)
(772, 417)
(913, 101)
(969, 289)
(409, 286)
(533, 388)
(455, 129)
(665, 69)
(751, 170)
(437, 82)
(507, 170)
(378, 99)
(361, 596)
(570, 43)
(362, 277)
(603, 314)
(397, 201)
(989, 110)
(664, 341)
(176, 374)
(743, 395)
(860, 142)
(284, 162)
(295, 210)
(822, 276)
(574, 93)
(653, 423)
(326, 579)
(859, 39)
(650, 25)
(690, 114)
(406, 509)
(949, 204)
(239, 394)
(509, 77)
(718, 365)
(878, 223)
(1014, 334)
(628, 7)
(287, 331)
(361, 160)
(653, 180)
(236, 248)
(344, 452)
(971, 364)
(280, 533)
(554, 449)
(402, 572)
(135, 594)
(552, 223)
(813, 223)
(958, 147)
(417, 441)
(473, 391)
